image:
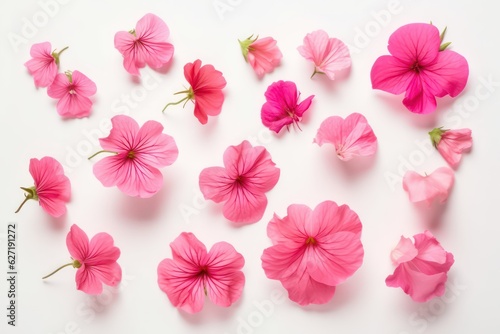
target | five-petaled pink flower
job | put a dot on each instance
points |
(282, 105)
(206, 84)
(248, 173)
(351, 136)
(138, 153)
(435, 186)
(313, 251)
(73, 90)
(43, 64)
(52, 188)
(262, 53)
(422, 267)
(451, 143)
(194, 273)
(146, 44)
(94, 259)
(329, 55)
(421, 67)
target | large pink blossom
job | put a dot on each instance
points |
(428, 188)
(314, 250)
(421, 67)
(43, 64)
(451, 143)
(248, 173)
(194, 273)
(263, 54)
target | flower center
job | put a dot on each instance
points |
(240, 180)
(131, 155)
(416, 67)
(76, 264)
(203, 271)
(311, 241)
(71, 89)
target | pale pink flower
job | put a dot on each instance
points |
(329, 55)
(52, 188)
(351, 136)
(194, 273)
(138, 153)
(262, 53)
(146, 44)
(422, 267)
(313, 250)
(435, 186)
(248, 173)
(43, 64)
(451, 143)
(420, 67)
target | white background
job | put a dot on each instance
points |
(467, 225)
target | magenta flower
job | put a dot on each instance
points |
(422, 267)
(313, 250)
(421, 67)
(95, 260)
(43, 64)
(52, 188)
(263, 54)
(193, 274)
(428, 188)
(451, 143)
(146, 44)
(138, 153)
(248, 173)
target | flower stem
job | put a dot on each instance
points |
(55, 271)
(103, 151)
(63, 49)
(176, 103)
(26, 198)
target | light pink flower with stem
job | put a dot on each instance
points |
(263, 54)
(451, 143)
(428, 188)
(43, 64)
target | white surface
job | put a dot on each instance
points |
(467, 226)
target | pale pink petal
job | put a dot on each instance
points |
(188, 250)
(391, 75)
(215, 184)
(154, 148)
(125, 43)
(122, 135)
(405, 251)
(59, 87)
(328, 218)
(77, 242)
(73, 105)
(82, 84)
(304, 290)
(42, 66)
(453, 143)
(284, 261)
(293, 227)
(264, 55)
(273, 230)
(243, 206)
(428, 188)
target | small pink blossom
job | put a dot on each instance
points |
(422, 267)
(194, 273)
(451, 143)
(248, 173)
(43, 64)
(351, 136)
(435, 186)
(262, 53)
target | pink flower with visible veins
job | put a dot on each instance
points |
(43, 64)
(52, 188)
(451, 143)
(313, 250)
(248, 173)
(263, 54)
(435, 186)
(421, 67)
(146, 44)
(194, 273)
(138, 155)
(422, 267)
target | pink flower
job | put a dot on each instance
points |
(435, 186)
(138, 153)
(248, 173)
(73, 90)
(193, 274)
(329, 55)
(43, 64)
(205, 91)
(313, 250)
(52, 188)
(95, 260)
(263, 54)
(146, 44)
(282, 105)
(420, 67)
(351, 137)
(422, 267)
(451, 143)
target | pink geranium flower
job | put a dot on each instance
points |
(262, 53)
(52, 188)
(95, 260)
(329, 55)
(282, 105)
(422, 267)
(314, 250)
(138, 153)
(146, 44)
(421, 67)
(351, 136)
(193, 274)
(435, 186)
(73, 90)
(205, 91)
(43, 64)
(248, 173)
(451, 143)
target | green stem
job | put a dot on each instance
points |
(65, 48)
(103, 151)
(55, 271)
(176, 103)
(316, 72)
(26, 198)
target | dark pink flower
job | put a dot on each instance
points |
(451, 143)
(428, 188)
(43, 64)
(262, 53)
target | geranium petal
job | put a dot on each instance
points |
(154, 148)
(391, 75)
(83, 85)
(244, 206)
(427, 188)
(74, 105)
(122, 135)
(415, 42)
(215, 184)
(77, 242)
(304, 290)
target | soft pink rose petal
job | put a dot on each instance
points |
(435, 186)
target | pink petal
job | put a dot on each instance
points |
(152, 32)
(73, 105)
(328, 218)
(405, 251)
(154, 148)
(101, 251)
(428, 188)
(125, 43)
(88, 281)
(243, 206)
(215, 184)
(83, 85)
(293, 226)
(122, 135)
(284, 261)
(77, 242)
(419, 96)
(59, 87)
(188, 250)
(264, 55)
(448, 75)
(391, 75)
(42, 66)
(208, 104)
(453, 143)
(304, 290)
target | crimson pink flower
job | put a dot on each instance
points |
(248, 173)
(43, 64)
(194, 273)
(95, 260)
(262, 53)
(137, 155)
(451, 143)
(422, 267)
(351, 136)
(205, 91)
(146, 44)
(313, 250)
(329, 55)
(435, 186)
(420, 67)
(52, 188)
